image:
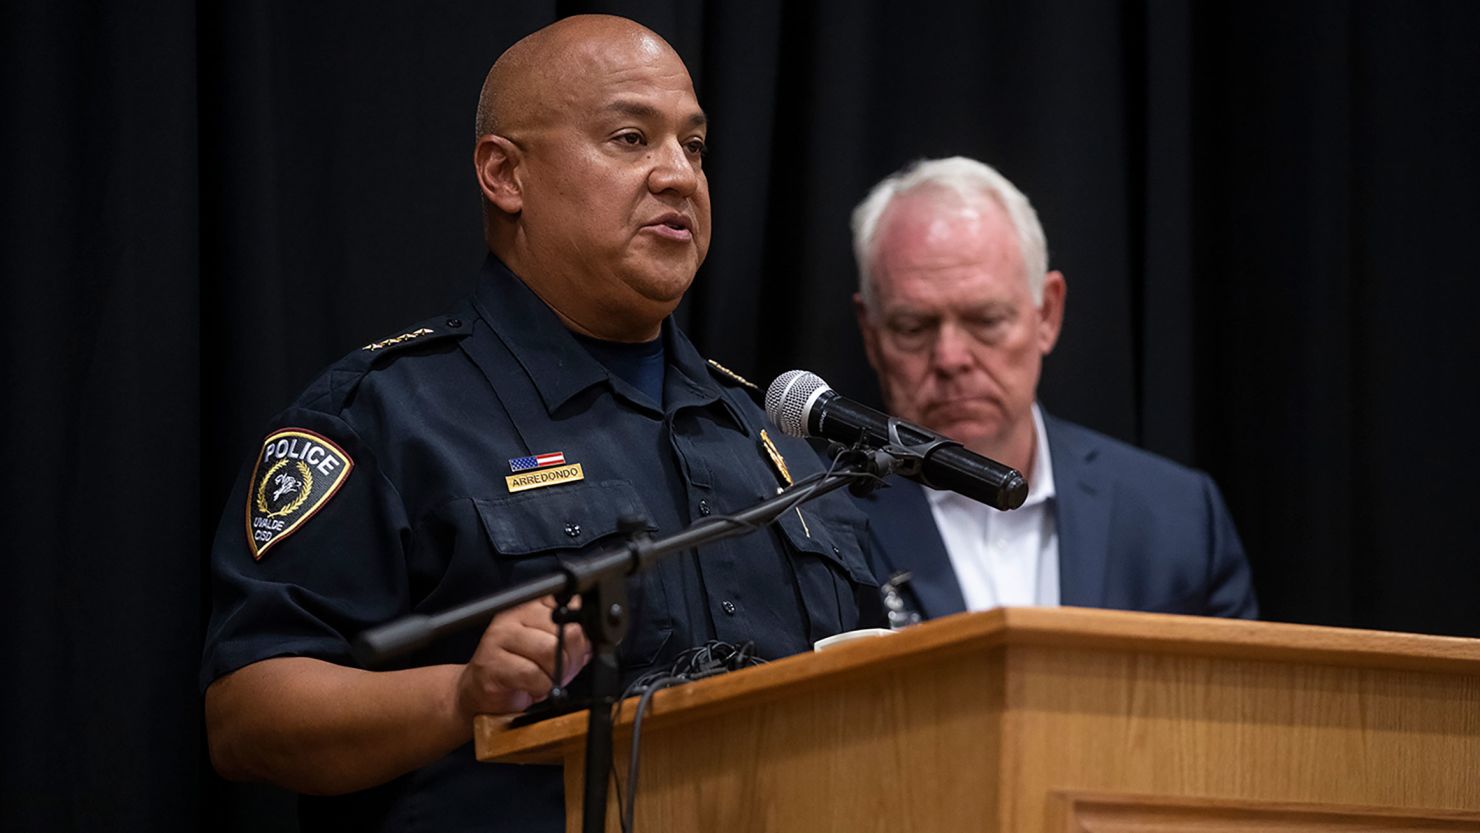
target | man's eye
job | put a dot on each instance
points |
(697, 147)
(910, 335)
(989, 329)
(633, 139)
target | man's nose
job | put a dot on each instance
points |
(673, 170)
(951, 352)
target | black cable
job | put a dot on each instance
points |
(800, 495)
(696, 663)
(629, 810)
(557, 689)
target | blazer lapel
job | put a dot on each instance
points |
(904, 527)
(1084, 499)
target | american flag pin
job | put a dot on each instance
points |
(536, 461)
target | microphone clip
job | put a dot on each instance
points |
(911, 457)
(895, 457)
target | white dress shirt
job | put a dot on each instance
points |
(1004, 558)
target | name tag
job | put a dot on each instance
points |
(545, 477)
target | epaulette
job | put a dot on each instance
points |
(432, 330)
(337, 382)
(729, 375)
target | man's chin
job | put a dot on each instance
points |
(969, 431)
(662, 283)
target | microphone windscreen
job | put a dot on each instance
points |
(790, 397)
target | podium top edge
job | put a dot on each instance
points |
(1079, 629)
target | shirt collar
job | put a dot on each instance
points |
(1040, 479)
(554, 362)
(558, 366)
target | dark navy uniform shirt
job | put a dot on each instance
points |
(383, 491)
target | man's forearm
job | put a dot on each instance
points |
(314, 727)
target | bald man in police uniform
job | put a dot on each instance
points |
(469, 451)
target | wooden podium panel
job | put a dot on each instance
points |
(1027, 719)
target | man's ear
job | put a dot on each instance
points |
(496, 163)
(1051, 311)
(866, 329)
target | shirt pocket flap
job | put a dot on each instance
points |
(566, 517)
(830, 540)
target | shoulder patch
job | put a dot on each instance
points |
(296, 473)
(721, 370)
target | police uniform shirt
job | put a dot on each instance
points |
(389, 487)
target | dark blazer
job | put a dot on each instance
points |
(1136, 532)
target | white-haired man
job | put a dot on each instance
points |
(958, 308)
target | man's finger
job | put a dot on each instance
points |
(512, 673)
(532, 644)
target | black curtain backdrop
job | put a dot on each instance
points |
(1265, 212)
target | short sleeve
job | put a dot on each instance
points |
(310, 549)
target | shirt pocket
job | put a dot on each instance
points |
(567, 517)
(529, 531)
(831, 570)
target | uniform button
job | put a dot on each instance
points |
(728, 607)
(704, 510)
(573, 530)
(454, 322)
(835, 551)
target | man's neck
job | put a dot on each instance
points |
(603, 325)
(611, 330)
(1018, 450)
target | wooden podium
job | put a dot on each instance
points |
(1064, 719)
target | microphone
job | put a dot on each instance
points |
(802, 405)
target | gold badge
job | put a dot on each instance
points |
(295, 475)
(774, 454)
(541, 478)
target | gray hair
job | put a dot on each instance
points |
(968, 180)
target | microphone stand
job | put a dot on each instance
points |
(600, 579)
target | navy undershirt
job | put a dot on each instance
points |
(639, 365)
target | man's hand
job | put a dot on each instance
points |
(515, 661)
(315, 727)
